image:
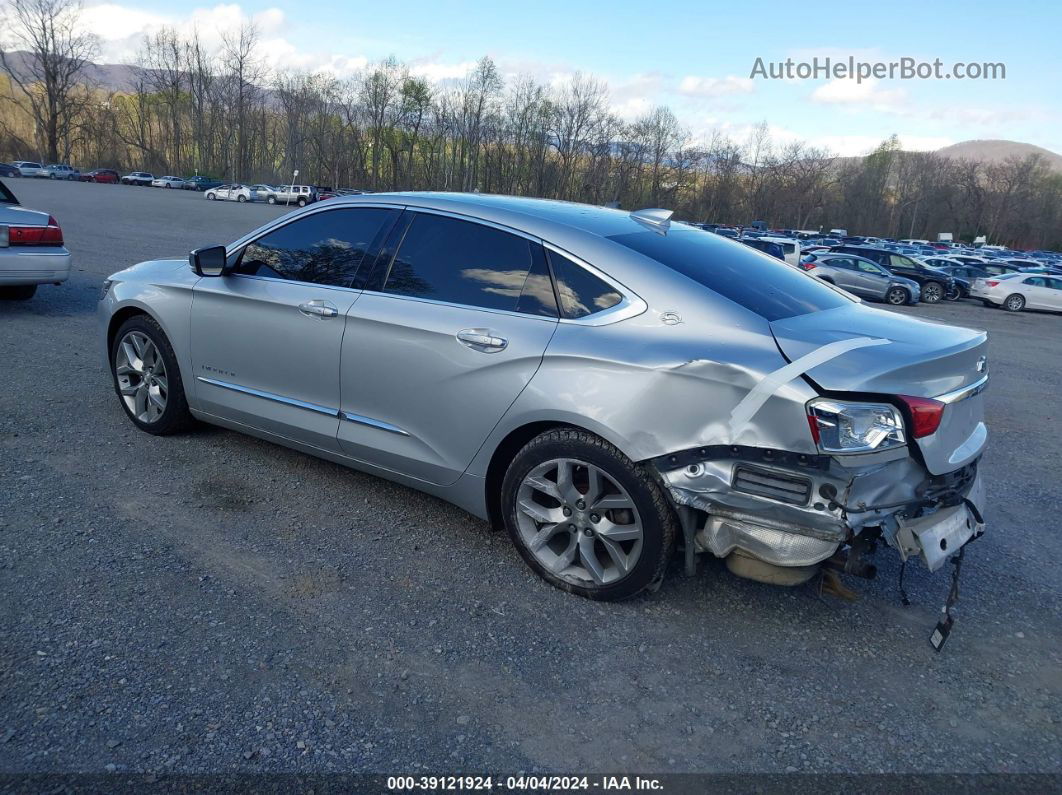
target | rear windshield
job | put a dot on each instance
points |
(761, 284)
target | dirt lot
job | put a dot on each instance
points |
(211, 602)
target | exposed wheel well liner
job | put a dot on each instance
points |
(116, 321)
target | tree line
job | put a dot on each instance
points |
(193, 109)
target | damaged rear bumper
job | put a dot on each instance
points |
(795, 510)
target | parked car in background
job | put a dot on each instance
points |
(293, 194)
(201, 182)
(8, 170)
(167, 182)
(105, 176)
(137, 178)
(262, 192)
(1017, 291)
(31, 249)
(935, 284)
(374, 331)
(766, 246)
(233, 193)
(862, 277)
(29, 168)
(62, 171)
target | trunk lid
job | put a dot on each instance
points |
(922, 358)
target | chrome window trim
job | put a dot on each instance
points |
(314, 285)
(963, 393)
(380, 424)
(246, 390)
(630, 305)
(472, 307)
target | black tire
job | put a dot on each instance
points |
(175, 417)
(241, 199)
(272, 200)
(211, 197)
(659, 524)
(18, 292)
(954, 293)
(302, 202)
(1014, 303)
(933, 292)
(897, 296)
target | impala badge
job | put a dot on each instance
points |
(982, 364)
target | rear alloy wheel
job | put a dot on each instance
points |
(932, 292)
(20, 292)
(586, 518)
(897, 296)
(1014, 303)
(241, 198)
(147, 379)
(302, 202)
(272, 200)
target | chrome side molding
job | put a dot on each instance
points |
(302, 404)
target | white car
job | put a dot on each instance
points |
(167, 182)
(31, 249)
(232, 193)
(1017, 291)
(30, 169)
(790, 248)
(262, 192)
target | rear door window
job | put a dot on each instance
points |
(463, 262)
(580, 292)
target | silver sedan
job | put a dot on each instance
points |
(31, 249)
(600, 383)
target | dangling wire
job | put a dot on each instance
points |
(903, 594)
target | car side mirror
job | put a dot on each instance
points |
(208, 261)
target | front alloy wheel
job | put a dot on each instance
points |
(146, 377)
(586, 518)
(897, 296)
(932, 292)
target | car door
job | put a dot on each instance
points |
(452, 330)
(266, 339)
(1053, 293)
(875, 281)
(1035, 290)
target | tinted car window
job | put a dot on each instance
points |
(322, 248)
(900, 261)
(761, 284)
(581, 293)
(461, 262)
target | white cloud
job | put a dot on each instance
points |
(852, 92)
(694, 86)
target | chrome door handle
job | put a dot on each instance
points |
(481, 339)
(318, 308)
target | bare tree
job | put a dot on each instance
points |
(47, 64)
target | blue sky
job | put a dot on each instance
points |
(695, 57)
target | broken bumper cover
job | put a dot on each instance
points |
(791, 509)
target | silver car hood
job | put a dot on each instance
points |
(920, 358)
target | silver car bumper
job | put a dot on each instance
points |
(44, 266)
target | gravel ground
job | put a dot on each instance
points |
(211, 602)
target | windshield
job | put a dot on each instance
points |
(6, 196)
(760, 283)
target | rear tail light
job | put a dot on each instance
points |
(926, 414)
(50, 235)
(808, 266)
(991, 283)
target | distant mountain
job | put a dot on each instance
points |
(996, 151)
(105, 76)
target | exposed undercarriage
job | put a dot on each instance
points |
(778, 516)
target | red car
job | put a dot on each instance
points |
(104, 175)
